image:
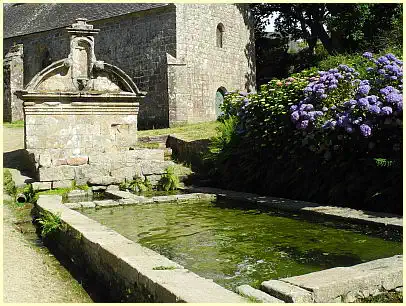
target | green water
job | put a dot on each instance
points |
(235, 246)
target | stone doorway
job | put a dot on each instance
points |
(220, 93)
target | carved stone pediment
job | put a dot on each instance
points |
(81, 71)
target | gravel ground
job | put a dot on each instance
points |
(30, 272)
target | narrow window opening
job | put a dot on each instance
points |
(219, 35)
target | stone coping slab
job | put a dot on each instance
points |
(161, 279)
(367, 217)
(341, 284)
(257, 295)
(128, 198)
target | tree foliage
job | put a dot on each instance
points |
(339, 27)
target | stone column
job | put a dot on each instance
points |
(13, 81)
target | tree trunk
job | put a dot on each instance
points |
(318, 31)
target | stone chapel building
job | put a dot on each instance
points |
(185, 56)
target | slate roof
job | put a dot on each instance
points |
(22, 19)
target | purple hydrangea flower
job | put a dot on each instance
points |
(367, 55)
(391, 56)
(295, 116)
(366, 130)
(383, 60)
(393, 97)
(387, 90)
(309, 107)
(364, 89)
(386, 110)
(349, 129)
(293, 108)
(303, 124)
(374, 109)
(363, 102)
(400, 106)
(372, 99)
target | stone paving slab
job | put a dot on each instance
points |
(287, 292)
(341, 284)
(106, 203)
(367, 217)
(88, 204)
(257, 295)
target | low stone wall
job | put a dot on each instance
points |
(188, 152)
(159, 140)
(130, 272)
(54, 171)
(359, 216)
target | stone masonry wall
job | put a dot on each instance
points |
(170, 52)
(13, 80)
(201, 67)
(137, 43)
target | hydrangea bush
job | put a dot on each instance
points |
(338, 101)
(324, 136)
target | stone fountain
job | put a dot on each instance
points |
(81, 120)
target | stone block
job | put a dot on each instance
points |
(45, 160)
(106, 203)
(287, 292)
(59, 162)
(169, 198)
(256, 294)
(78, 195)
(103, 180)
(59, 173)
(154, 167)
(350, 283)
(73, 205)
(40, 186)
(145, 154)
(62, 184)
(126, 173)
(153, 179)
(87, 204)
(98, 188)
(77, 160)
(112, 188)
(85, 172)
(127, 202)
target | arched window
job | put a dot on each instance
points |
(219, 35)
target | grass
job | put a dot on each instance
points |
(187, 132)
(57, 191)
(164, 268)
(14, 124)
(388, 297)
(152, 145)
